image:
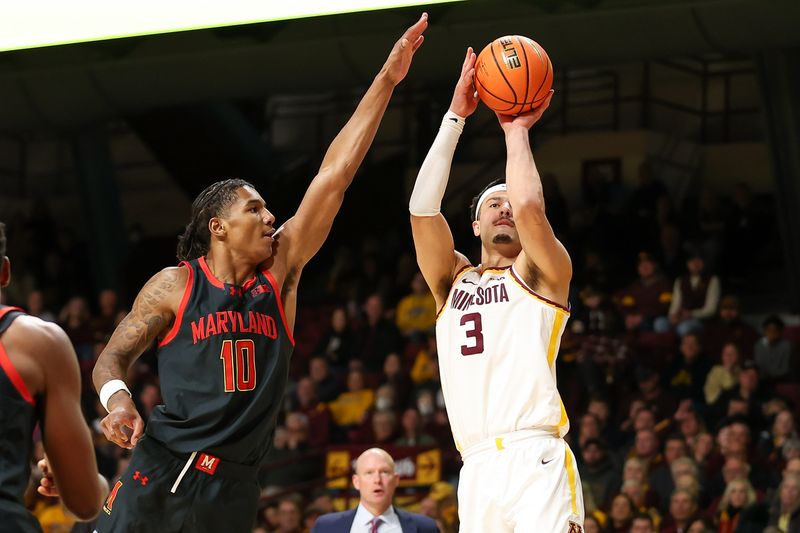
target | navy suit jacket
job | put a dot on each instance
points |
(342, 522)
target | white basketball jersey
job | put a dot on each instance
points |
(497, 342)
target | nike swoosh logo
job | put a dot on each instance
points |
(545, 462)
(468, 281)
(453, 119)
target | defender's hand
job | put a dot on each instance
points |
(465, 99)
(527, 120)
(123, 426)
(399, 61)
(47, 485)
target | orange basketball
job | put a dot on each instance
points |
(513, 75)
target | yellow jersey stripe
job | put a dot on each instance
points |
(458, 275)
(555, 334)
(569, 463)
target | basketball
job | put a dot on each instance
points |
(513, 75)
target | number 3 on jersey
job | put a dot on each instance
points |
(474, 332)
(239, 371)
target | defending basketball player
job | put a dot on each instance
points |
(224, 321)
(40, 383)
(498, 333)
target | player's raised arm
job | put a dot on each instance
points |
(302, 235)
(544, 262)
(152, 314)
(438, 261)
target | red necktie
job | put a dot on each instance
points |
(375, 523)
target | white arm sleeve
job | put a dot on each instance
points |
(426, 199)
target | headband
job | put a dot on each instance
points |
(491, 190)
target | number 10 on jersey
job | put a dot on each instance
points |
(239, 365)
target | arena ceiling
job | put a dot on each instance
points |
(62, 88)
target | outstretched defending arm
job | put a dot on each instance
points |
(436, 255)
(152, 314)
(303, 234)
(544, 262)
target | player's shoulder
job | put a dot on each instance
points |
(38, 333)
(41, 341)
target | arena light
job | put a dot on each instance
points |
(36, 23)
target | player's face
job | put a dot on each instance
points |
(495, 225)
(375, 480)
(249, 226)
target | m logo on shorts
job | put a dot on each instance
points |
(207, 463)
(111, 497)
(574, 528)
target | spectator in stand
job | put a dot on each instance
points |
(746, 399)
(384, 428)
(416, 312)
(662, 477)
(661, 402)
(111, 314)
(598, 475)
(319, 417)
(620, 514)
(326, 384)
(785, 513)
(395, 375)
(724, 376)
(290, 459)
(773, 353)
(690, 369)
(682, 511)
(646, 448)
(700, 525)
(695, 297)
(642, 523)
(352, 405)
(736, 506)
(378, 337)
(728, 326)
(413, 435)
(591, 524)
(36, 306)
(647, 299)
(338, 342)
(771, 444)
(290, 514)
(75, 319)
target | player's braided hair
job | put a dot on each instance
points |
(2, 240)
(473, 206)
(212, 202)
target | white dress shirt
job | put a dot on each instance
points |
(363, 519)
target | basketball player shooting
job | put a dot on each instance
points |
(224, 319)
(498, 333)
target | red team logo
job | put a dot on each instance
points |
(574, 528)
(207, 463)
(111, 497)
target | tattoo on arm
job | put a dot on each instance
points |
(147, 319)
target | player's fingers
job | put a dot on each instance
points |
(418, 43)
(418, 26)
(43, 466)
(138, 429)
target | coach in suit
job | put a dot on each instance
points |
(375, 480)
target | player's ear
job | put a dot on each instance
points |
(5, 272)
(476, 228)
(356, 482)
(216, 226)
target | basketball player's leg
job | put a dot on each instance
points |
(550, 494)
(478, 493)
(141, 500)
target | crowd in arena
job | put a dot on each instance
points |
(683, 404)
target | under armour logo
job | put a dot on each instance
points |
(236, 291)
(140, 478)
